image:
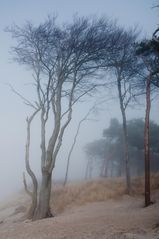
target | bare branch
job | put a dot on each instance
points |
(27, 102)
(75, 139)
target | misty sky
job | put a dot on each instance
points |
(13, 111)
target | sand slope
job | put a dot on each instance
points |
(113, 219)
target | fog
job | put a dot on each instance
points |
(14, 111)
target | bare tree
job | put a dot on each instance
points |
(93, 108)
(148, 51)
(127, 69)
(34, 192)
(75, 140)
(66, 62)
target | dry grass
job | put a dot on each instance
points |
(138, 184)
(95, 191)
(80, 193)
(84, 192)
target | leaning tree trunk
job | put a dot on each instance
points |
(33, 193)
(73, 144)
(71, 150)
(146, 143)
(125, 139)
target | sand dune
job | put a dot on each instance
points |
(118, 218)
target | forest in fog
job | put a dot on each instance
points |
(78, 59)
(106, 154)
(88, 85)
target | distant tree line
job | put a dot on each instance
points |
(106, 154)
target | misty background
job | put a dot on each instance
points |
(14, 112)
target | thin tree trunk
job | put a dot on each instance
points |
(86, 172)
(126, 153)
(119, 170)
(105, 166)
(73, 145)
(89, 168)
(33, 193)
(71, 150)
(146, 143)
(125, 138)
(101, 172)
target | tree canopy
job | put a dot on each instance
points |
(109, 148)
